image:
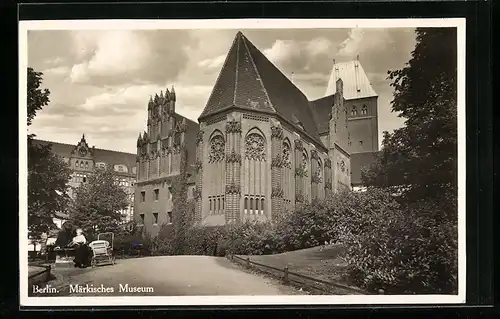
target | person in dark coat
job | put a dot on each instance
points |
(65, 235)
(81, 249)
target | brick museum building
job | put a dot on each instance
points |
(83, 160)
(260, 147)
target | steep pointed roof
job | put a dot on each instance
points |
(249, 80)
(356, 83)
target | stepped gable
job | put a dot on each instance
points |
(249, 80)
(356, 83)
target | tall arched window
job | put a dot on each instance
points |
(217, 168)
(288, 177)
(364, 110)
(262, 206)
(246, 205)
(86, 164)
(255, 168)
(210, 204)
(354, 111)
(306, 174)
(77, 164)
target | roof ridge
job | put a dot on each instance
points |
(258, 73)
(74, 145)
(203, 113)
(239, 34)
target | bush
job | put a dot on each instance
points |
(401, 249)
(309, 226)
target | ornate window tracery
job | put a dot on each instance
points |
(217, 145)
(255, 147)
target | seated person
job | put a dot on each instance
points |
(65, 236)
(82, 250)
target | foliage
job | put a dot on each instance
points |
(180, 206)
(37, 98)
(402, 249)
(98, 203)
(422, 156)
(308, 226)
(48, 175)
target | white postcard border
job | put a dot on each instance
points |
(24, 26)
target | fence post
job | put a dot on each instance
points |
(248, 262)
(285, 274)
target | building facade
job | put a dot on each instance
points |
(83, 160)
(261, 147)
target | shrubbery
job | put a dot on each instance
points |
(399, 248)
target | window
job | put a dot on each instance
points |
(84, 179)
(169, 216)
(133, 170)
(155, 218)
(218, 204)
(262, 205)
(77, 164)
(354, 111)
(142, 218)
(170, 192)
(246, 204)
(86, 164)
(143, 196)
(120, 168)
(210, 203)
(157, 194)
(360, 142)
(222, 203)
(364, 110)
(251, 205)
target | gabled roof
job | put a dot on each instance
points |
(249, 80)
(322, 108)
(100, 155)
(356, 83)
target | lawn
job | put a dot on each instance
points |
(322, 262)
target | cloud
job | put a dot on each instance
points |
(113, 53)
(57, 71)
(126, 56)
(115, 72)
(54, 60)
(212, 63)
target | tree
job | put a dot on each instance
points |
(48, 175)
(98, 203)
(37, 98)
(421, 158)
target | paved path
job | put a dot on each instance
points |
(170, 276)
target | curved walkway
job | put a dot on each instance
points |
(169, 276)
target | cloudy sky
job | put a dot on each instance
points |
(100, 81)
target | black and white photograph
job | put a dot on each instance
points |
(248, 162)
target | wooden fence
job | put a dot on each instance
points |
(289, 277)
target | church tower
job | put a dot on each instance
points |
(361, 104)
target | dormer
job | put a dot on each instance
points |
(121, 168)
(100, 165)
